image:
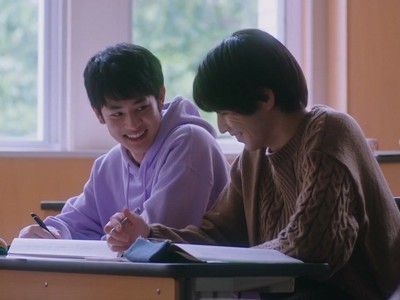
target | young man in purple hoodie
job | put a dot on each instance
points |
(167, 166)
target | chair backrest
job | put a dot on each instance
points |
(397, 199)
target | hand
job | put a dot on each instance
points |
(121, 236)
(37, 232)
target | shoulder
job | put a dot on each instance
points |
(332, 130)
(196, 143)
(192, 133)
(114, 152)
(181, 112)
(325, 117)
(337, 139)
(110, 159)
(330, 119)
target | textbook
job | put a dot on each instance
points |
(150, 250)
(61, 248)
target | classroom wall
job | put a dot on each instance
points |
(374, 69)
(25, 181)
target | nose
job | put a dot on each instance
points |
(222, 126)
(132, 121)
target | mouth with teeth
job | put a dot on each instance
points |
(135, 137)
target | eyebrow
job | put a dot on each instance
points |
(116, 105)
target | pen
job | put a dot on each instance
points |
(125, 220)
(41, 224)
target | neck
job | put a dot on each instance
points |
(136, 162)
(286, 125)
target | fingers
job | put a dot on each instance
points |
(56, 233)
(115, 223)
(116, 244)
(35, 231)
(130, 216)
(123, 229)
(118, 237)
(119, 241)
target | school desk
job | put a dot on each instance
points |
(82, 279)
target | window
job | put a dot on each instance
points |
(46, 44)
(29, 119)
(180, 32)
(18, 70)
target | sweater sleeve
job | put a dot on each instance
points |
(323, 227)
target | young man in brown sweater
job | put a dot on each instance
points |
(306, 183)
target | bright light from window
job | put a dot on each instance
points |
(180, 32)
(18, 70)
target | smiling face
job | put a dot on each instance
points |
(134, 123)
(252, 130)
(256, 130)
(268, 127)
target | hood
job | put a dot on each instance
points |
(179, 112)
(174, 114)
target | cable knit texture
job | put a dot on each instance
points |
(321, 198)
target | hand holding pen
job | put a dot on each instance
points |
(124, 221)
(41, 224)
(121, 236)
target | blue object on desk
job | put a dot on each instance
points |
(157, 250)
(144, 250)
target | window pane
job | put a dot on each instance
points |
(18, 70)
(180, 32)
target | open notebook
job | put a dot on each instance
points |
(144, 250)
(59, 248)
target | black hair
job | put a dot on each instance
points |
(121, 72)
(235, 73)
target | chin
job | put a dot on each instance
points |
(249, 147)
(252, 147)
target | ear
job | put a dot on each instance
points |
(99, 115)
(162, 98)
(268, 97)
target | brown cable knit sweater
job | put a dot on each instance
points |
(321, 198)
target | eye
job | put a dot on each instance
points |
(141, 108)
(116, 114)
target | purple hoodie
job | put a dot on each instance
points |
(180, 177)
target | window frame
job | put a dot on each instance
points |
(52, 36)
